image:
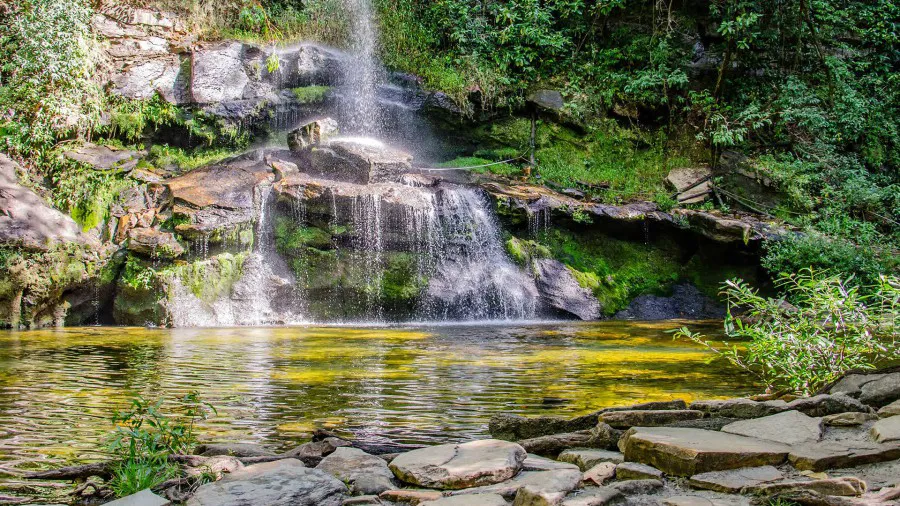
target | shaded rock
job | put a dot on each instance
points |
(530, 496)
(847, 486)
(686, 452)
(283, 482)
(892, 409)
(26, 220)
(851, 384)
(410, 496)
(469, 500)
(790, 427)
(454, 466)
(637, 471)
(600, 473)
(824, 405)
(732, 482)
(313, 452)
(551, 100)
(588, 458)
(538, 463)
(154, 243)
(638, 487)
(233, 449)
(714, 423)
(218, 74)
(686, 302)
(363, 500)
(876, 476)
(882, 391)
(311, 134)
(217, 465)
(628, 419)
(740, 408)
(852, 419)
(564, 480)
(105, 157)
(515, 427)
(593, 496)
(728, 228)
(687, 181)
(687, 500)
(361, 161)
(887, 430)
(365, 474)
(557, 443)
(826, 455)
(649, 406)
(142, 498)
(559, 289)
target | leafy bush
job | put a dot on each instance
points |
(823, 327)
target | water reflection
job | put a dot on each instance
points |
(275, 385)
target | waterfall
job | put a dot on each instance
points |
(361, 72)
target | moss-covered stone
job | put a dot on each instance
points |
(311, 94)
(210, 279)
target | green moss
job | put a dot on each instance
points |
(162, 156)
(311, 94)
(401, 282)
(588, 280)
(211, 279)
(522, 251)
(477, 165)
(292, 238)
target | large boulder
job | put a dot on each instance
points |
(559, 290)
(685, 452)
(281, 483)
(456, 466)
(26, 220)
(693, 184)
(365, 474)
(218, 73)
(358, 160)
(105, 158)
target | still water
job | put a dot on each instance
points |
(275, 385)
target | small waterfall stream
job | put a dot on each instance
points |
(361, 72)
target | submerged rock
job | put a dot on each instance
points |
(455, 466)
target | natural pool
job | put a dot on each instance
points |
(411, 384)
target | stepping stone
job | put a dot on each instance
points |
(538, 463)
(600, 474)
(892, 409)
(593, 496)
(826, 455)
(410, 496)
(848, 419)
(365, 474)
(281, 483)
(636, 471)
(790, 428)
(686, 452)
(887, 430)
(142, 498)
(469, 500)
(587, 458)
(456, 466)
(732, 482)
(847, 486)
(554, 444)
(530, 496)
(687, 500)
(638, 487)
(628, 419)
(547, 481)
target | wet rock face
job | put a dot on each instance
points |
(686, 302)
(218, 74)
(154, 243)
(560, 290)
(359, 161)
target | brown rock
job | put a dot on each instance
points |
(637, 471)
(847, 486)
(839, 454)
(600, 473)
(411, 496)
(733, 481)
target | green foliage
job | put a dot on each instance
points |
(210, 279)
(311, 94)
(823, 327)
(162, 156)
(86, 193)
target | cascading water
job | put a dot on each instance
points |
(361, 72)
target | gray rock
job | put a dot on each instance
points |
(851, 384)
(638, 487)
(26, 220)
(154, 243)
(637, 471)
(239, 450)
(892, 409)
(515, 427)
(555, 444)
(166, 75)
(852, 419)
(882, 391)
(363, 500)
(454, 466)
(740, 408)
(142, 498)
(280, 483)
(649, 418)
(365, 474)
(312, 134)
(538, 463)
(592, 496)
(105, 158)
(686, 452)
(361, 161)
(586, 458)
(649, 406)
(732, 482)
(313, 452)
(559, 290)
(846, 486)
(824, 405)
(714, 423)
(686, 180)
(469, 500)
(218, 74)
(550, 100)
(410, 496)
(530, 496)
(686, 302)
(790, 427)
(687, 500)
(825, 455)
(563, 480)
(887, 430)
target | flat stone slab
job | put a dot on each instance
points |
(636, 471)
(649, 418)
(104, 158)
(142, 498)
(600, 474)
(733, 481)
(411, 496)
(538, 463)
(826, 455)
(882, 391)
(790, 428)
(892, 409)
(565, 480)
(739, 408)
(686, 452)
(887, 430)
(592, 496)
(281, 483)
(638, 487)
(586, 458)
(847, 486)
(365, 474)
(469, 500)
(511, 427)
(455, 466)
(848, 419)
(555, 444)
(687, 500)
